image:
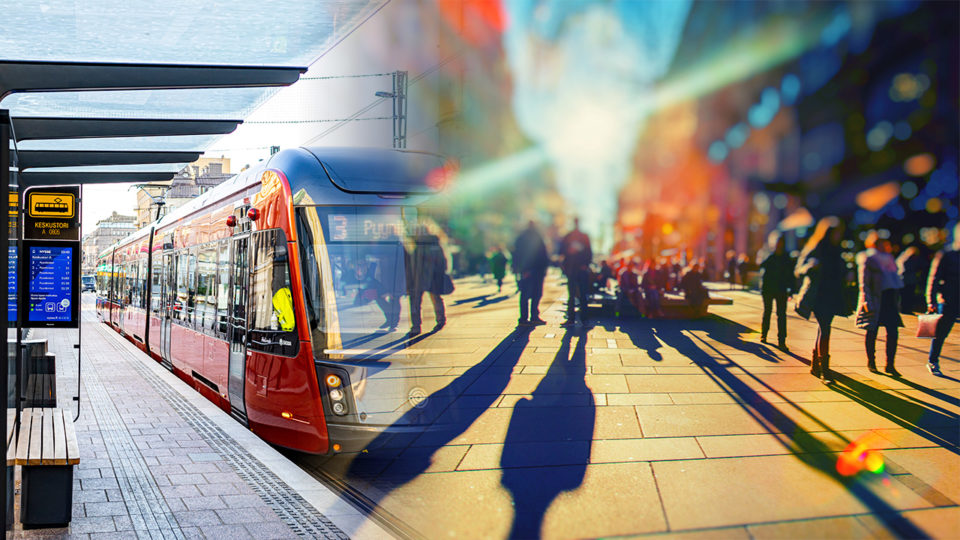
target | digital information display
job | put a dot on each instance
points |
(52, 291)
(12, 284)
(365, 227)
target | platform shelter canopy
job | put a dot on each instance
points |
(240, 32)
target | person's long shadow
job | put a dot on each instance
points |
(728, 332)
(404, 450)
(953, 400)
(809, 449)
(547, 447)
(640, 332)
(939, 426)
(483, 300)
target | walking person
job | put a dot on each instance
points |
(576, 258)
(943, 283)
(776, 283)
(530, 262)
(879, 300)
(821, 269)
(426, 272)
(498, 267)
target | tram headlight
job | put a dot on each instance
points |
(339, 408)
(336, 394)
(333, 381)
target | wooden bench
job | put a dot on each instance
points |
(40, 390)
(675, 306)
(11, 459)
(47, 450)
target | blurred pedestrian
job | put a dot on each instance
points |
(776, 283)
(426, 272)
(943, 295)
(732, 268)
(651, 292)
(604, 276)
(912, 265)
(821, 269)
(879, 299)
(576, 256)
(630, 293)
(498, 267)
(694, 292)
(530, 262)
(743, 268)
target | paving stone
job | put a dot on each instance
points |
(722, 492)
(92, 524)
(648, 449)
(199, 518)
(226, 532)
(268, 530)
(185, 479)
(240, 515)
(843, 527)
(203, 503)
(99, 483)
(106, 509)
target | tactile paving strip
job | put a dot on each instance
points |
(292, 509)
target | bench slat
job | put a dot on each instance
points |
(36, 438)
(59, 438)
(73, 449)
(46, 452)
(11, 424)
(23, 442)
(11, 440)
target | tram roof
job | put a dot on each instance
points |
(329, 175)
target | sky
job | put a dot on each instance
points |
(173, 31)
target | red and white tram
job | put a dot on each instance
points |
(261, 291)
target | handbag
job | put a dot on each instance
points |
(927, 325)
(447, 284)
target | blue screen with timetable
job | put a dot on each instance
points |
(51, 284)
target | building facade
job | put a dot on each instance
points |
(157, 200)
(108, 231)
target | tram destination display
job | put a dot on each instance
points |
(51, 213)
(51, 292)
(368, 227)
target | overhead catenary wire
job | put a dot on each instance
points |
(355, 117)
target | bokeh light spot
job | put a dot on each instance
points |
(919, 164)
(909, 190)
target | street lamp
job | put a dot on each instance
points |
(399, 96)
(156, 200)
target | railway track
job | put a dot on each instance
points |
(389, 522)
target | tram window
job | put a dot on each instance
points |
(354, 275)
(156, 283)
(206, 308)
(142, 284)
(271, 311)
(127, 284)
(183, 307)
(223, 288)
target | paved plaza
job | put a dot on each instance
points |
(622, 428)
(634, 427)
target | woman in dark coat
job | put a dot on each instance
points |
(821, 269)
(879, 299)
(426, 269)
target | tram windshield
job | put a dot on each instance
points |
(354, 276)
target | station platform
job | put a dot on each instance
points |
(159, 461)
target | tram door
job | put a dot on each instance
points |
(238, 322)
(167, 297)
